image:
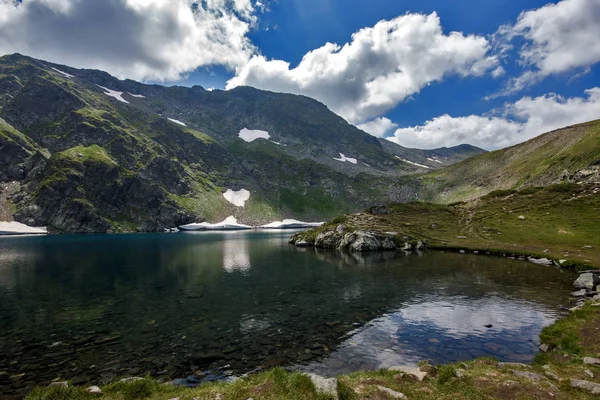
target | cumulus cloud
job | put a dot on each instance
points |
(558, 38)
(378, 127)
(380, 67)
(527, 118)
(137, 39)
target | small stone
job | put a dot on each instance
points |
(411, 371)
(459, 373)
(579, 293)
(528, 374)
(588, 386)
(461, 237)
(540, 261)
(325, 385)
(562, 261)
(589, 373)
(62, 384)
(552, 375)
(94, 390)
(587, 247)
(513, 364)
(591, 360)
(151, 322)
(488, 326)
(462, 252)
(545, 348)
(521, 217)
(390, 392)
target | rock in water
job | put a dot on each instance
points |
(587, 281)
(328, 240)
(364, 241)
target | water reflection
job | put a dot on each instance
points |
(236, 256)
(169, 305)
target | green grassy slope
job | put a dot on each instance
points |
(558, 221)
(546, 159)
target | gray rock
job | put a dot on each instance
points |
(361, 241)
(528, 374)
(62, 384)
(588, 386)
(302, 243)
(131, 379)
(390, 392)
(412, 371)
(461, 237)
(388, 244)
(513, 364)
(591, 360)
(325, 385)
(459, 373)
(340, 228)
(328, 240)
(545, 347)
(522, 217)
(540, 261)
(587, 281)
(419, 245)
(589, 373)
(407, 247)
(94, 390)
(579, 293)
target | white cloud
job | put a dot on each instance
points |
(378, 127)
(380, 67)
(137, 39)
(527, 118)
(558, 38)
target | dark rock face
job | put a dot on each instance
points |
(87, 162)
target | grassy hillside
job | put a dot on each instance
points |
(547, 159)
(558, 221)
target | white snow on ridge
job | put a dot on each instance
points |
(343, 158)
(17, 228)
(250, 135)
(438, 161)
(139, 96)
(433, 159)
(412, 163)
(63, 73)
(237, 198)
(290, 224)
(228, 224)
(114, 93)
(178, 122)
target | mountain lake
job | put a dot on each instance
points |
(195, 307)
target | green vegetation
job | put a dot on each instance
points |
(557, 221)
(546, 159)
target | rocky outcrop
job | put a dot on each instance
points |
(355, 241)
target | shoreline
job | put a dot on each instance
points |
(399, 380)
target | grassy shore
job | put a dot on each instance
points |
(560, 222)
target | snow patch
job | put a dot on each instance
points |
(178, 122)
(63, 73)
(433, 159)
(237, 198)
(228, 224)
(250, 135)
(17, 228)
(290, 224)
(139, 96)
(210, 89)
(343, 158)
(412, 163)
(438, 161)
(114, 93)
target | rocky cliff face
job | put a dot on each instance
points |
(92, 153)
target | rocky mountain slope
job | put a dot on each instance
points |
(82, 151)
(570, 154)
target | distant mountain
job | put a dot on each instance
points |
(570, 154)
(86, 152)
(431, 159)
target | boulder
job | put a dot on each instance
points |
(328, 240)
(361, 241)
(388, 244)
(587, 281)
(579, 293)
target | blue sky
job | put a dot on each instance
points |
(421, 73)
